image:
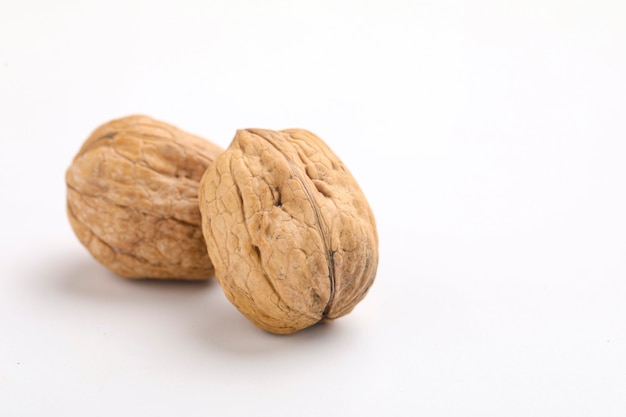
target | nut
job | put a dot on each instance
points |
(290, 233)
(132, 198)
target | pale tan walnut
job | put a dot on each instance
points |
(291, 235)
(132, 199)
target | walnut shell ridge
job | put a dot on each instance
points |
(290, 233)
(132, 198)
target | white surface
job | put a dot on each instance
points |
(489, 137)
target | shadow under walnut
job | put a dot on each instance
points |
(132, 199)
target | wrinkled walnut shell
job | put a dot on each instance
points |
(290, 233)
(132, 198)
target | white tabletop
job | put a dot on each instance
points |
(489, 138)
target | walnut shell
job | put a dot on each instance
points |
(132, 198)
(290, 233)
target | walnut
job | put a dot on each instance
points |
(132, 198)
(290, 233)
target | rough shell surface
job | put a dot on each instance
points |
(132, 198)
(290, 233)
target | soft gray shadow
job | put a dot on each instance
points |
(230, 331)
(198, 312)
(78, 276)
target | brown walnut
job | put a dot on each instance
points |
(132, 198)
(290, 233)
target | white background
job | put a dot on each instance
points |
(489, 138)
